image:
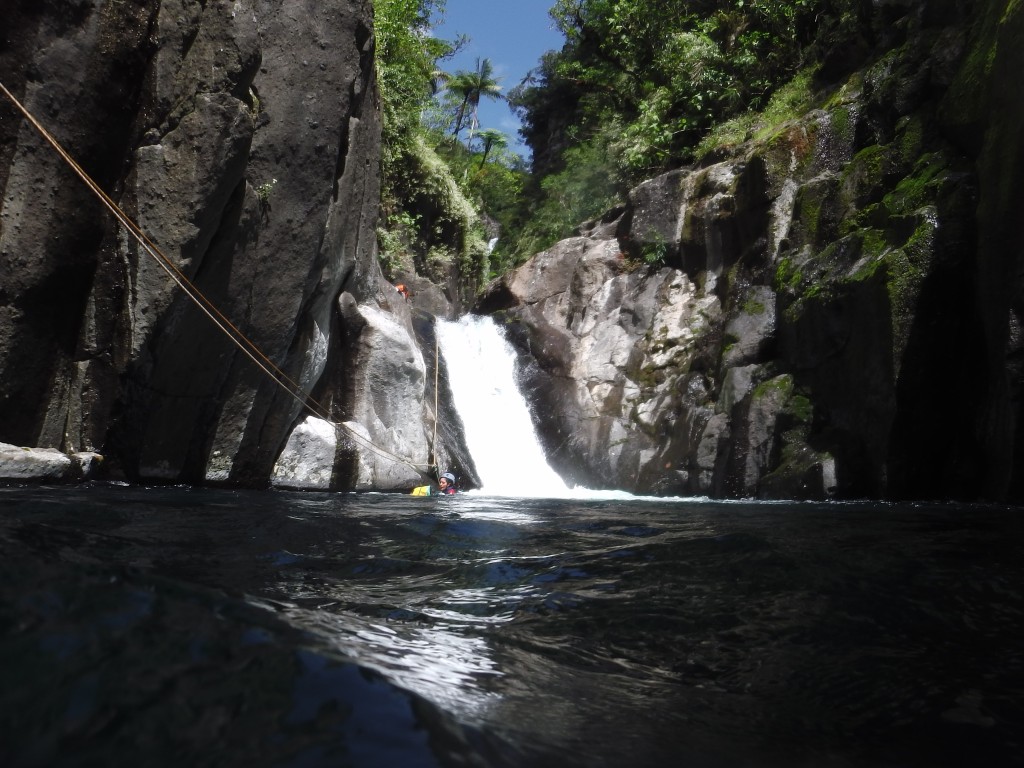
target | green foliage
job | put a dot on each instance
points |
(788, 102)
(263, 191)
(637, 89)
(780, 386)
(490, 139)
(655, 253)
(406, 63)
(469, 87)
(670, 71)
(406, 58)
(435, 189)
(640, 85)
(753, 307)
(397, 240)
(787, 275)
(584, 190)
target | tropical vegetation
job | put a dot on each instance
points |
(639, 86)
(447, 181)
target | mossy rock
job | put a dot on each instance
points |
(816, 212)
(778, 387)
(803, 473)
(965, 107)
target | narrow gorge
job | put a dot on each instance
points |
(827, 307)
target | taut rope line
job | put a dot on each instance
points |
(239, 339)
(437, 368)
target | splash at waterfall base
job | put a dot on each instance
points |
(496, 418)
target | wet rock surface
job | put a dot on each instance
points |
(810, 314)
(244, 141)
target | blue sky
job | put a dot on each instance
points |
(512, 34)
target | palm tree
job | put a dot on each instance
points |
(472, 86)
(491, 138)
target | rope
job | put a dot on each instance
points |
(239, 339)
(437, 368)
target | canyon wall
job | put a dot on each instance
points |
(829, 309)
(243, 138)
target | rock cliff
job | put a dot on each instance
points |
(243, 138)
(830, 309)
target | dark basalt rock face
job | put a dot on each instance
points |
(832, 310)
(243, 138)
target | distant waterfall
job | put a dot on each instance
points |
(499, 432)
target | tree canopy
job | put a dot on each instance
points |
(639, 83)
(665, 71)
(470, 87)
(634, 90)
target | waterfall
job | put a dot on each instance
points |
(499, 433)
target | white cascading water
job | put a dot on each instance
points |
(499, 433)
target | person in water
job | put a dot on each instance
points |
(445, 483)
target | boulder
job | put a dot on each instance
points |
(307, 461)
(43, 465)
(387, 446)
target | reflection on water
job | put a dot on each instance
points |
(224, 627)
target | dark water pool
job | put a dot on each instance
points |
(183, 627)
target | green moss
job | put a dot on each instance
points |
(787, 275)
(872, 246)
(848, 93)
(789, 102)
(908, 266)
(867, 162)
(909, 139)
(807, 212)
(843, 122)
(872, 216)
(780, 384)
(862, 179)
(753, 307)
(874, 242)
(870, 267)
(919, 187)
(967, 98)
(801, 408)
(792, 314)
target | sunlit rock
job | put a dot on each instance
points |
(828, 308)
(385, 396)
(34, 464)
(307, 461)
